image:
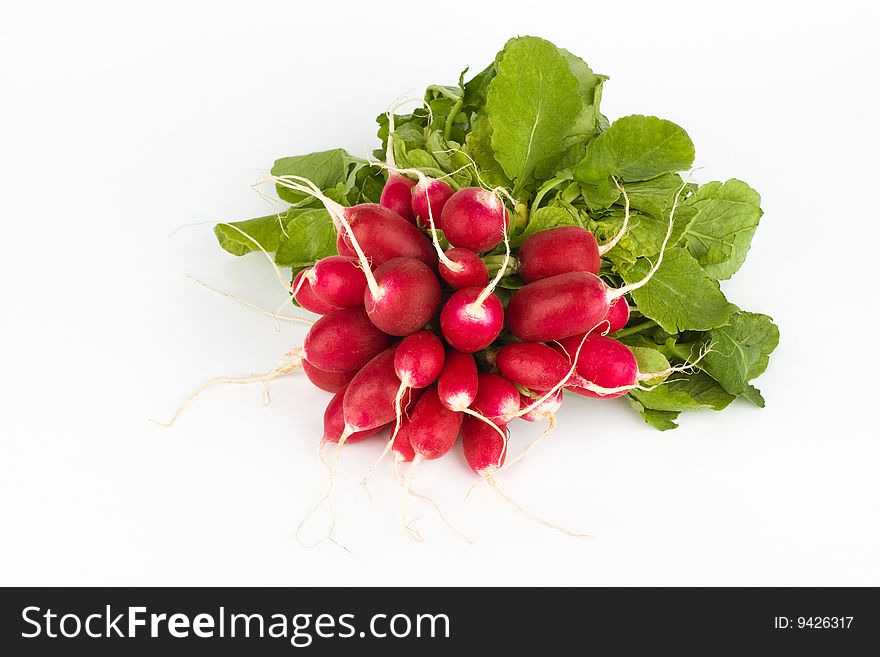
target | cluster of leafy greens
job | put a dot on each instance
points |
(531, 122)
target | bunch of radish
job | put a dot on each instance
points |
(506, 246)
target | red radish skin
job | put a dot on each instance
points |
(437, 193)
(407, 296)
(472, 270)
(302, 292)
(558, 307)
(344, 340)
(604, 362)
(497, 398)
(419, 359)
(397, 196)
(329, 381)
(433, 428)
(334, 424)
(533, 365)
(338, 281)
(458, 381)
(475, 219)
(383, 234)
(369, 398)
(484, 448)
(618, 315)
(467, 326)
(558, 251)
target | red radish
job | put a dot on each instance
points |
(546, 410)
(474, 218)
(344, 340)
(334, 424)
(576, 302)
(383, 234)
(302, 292)
(397, 195)
(418, 361)
(497, 398)
(430, 192)
(603, 362)
(484, 448)
(472, 271)
(458, 381)
(469, 322)
(433, 428)
(558, 251)
(402, 295)
(339, 281)
(369, 398)
(532, 364)
(329, 381)
(401, 448)
(618, 315)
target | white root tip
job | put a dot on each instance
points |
(528, 514)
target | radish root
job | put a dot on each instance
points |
(528, 514)
(605, 248)
(289, 363)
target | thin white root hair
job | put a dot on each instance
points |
(528, 514)
(404, 505)
(289, 363)
(398, 476)
(498, 430)
(687, 367)
(398, 412)
(605, 248)
(337, 213)
(490, 288)
(274, 315)
(551, 427)
(281, 279)
(328, 495)
(626, 289)
(473, 164)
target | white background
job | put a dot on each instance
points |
(122, 121)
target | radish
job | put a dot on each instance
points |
(433, 430)
(474, 218)
(418, 361)
(302, 291)
(334, 423)
(572, 303)
(618, 315)
(329, 381)
(606, 363)
(497, 398)
(402, 295)
(484, 449)
(458, 381)
(470, 320)
(369, 398)
(558, 251)
(397, 192)
(338, 281)
(472, 271)
(546, 410)
(566, 249)
(344, 340)
(397, 196)
(384, 235)
(429, 197)
(532, 364)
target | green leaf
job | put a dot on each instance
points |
(636, 148)
(266, 232)
(590, 90)
(680, 296)
(693, 392)
(479, 147)
(721, 230)
(325, 169)
(544, 219)
(663, 420)
(310, 237)
(532, 104)
(740, 352)
(655, 196)
(650, 360)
